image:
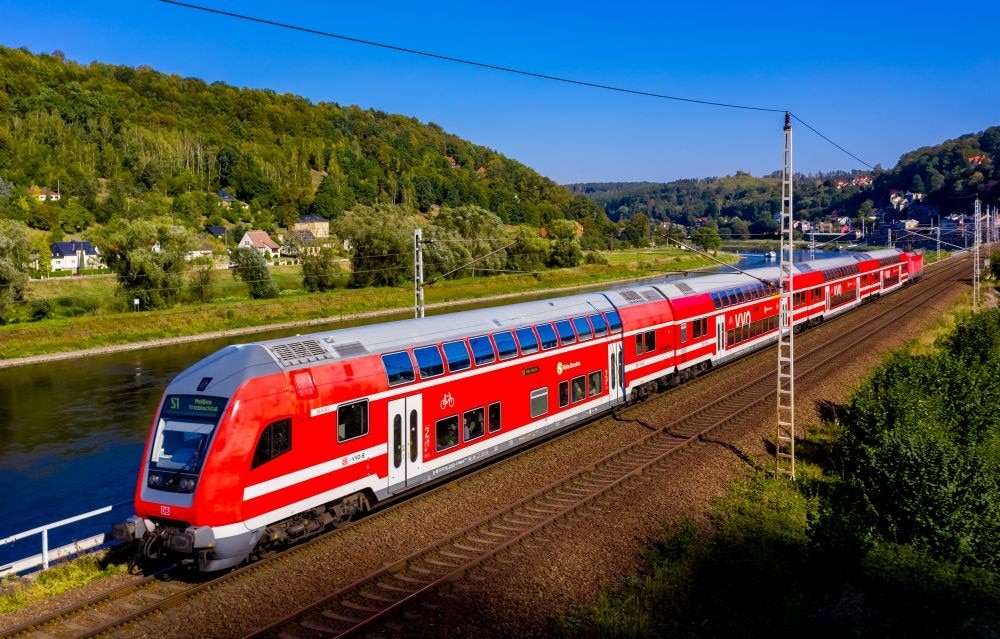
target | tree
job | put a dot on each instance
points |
(202, 279)
(564, 252)
(251, 269)
(530, 252)
(707, 238)
(148, 258)
(321, 272)
(15, 253)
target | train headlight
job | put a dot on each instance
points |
(155, 480)
(187, 485)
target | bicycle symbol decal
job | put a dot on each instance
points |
(447, 401)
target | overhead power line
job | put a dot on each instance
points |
(496, 67)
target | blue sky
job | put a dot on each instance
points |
(879, 78)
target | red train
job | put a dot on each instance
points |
(262, 444)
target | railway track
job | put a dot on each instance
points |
(389, 591)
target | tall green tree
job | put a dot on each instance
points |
(564, 251)
(321, 271)
(149, 259)
(251, 269)
(15, 254)
(706, 237)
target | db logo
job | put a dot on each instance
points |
(165, 511)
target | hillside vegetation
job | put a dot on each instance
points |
(951, 175)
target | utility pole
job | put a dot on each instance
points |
(975, 260)
(418, 273)
(784, 442)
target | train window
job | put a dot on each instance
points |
(505, 344)
(563, 393)
(650, 337)
(596, 384)
(275, 440)
(579, 388)
(414, 430)
(704, 325)
(398, 368)
(548, 336)
(472, 422)
(566, 334)
(696, 329)
(494, 417)
(352, 420)
(639, 344)
(739, 295)
(684, 332)
(397, 437)
(583, 329)
(457, 355)
(716, 300)
(429, 361)
(614, 320)
(600, 327)
(482, 350)
(539, 402)
(526, 340)
(446, 433)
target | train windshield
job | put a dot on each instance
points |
(184, 431)
(180, 446)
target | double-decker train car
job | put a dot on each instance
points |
(266, 443)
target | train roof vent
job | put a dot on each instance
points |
(350, 349)
(803, 267)
(631, 296)
(652, 295)
(684, 287)
(292, 353)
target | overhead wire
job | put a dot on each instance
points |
(504, 69)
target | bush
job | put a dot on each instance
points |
(41, 309)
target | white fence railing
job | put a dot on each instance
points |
(48, 555)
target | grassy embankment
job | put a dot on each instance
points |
(755, 570)
(90, 319)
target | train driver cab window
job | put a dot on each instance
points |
(600, 326)
(548, 336)
(639, 344)
(566, 334)
(446, 433)
(684, 332)
(457, 354)
(614, 320)
(650, 337)
(398, 368)
(276, 440)
(352, 420)
(527, 340)
(582, 328)
(482, 350)
(473, 424)
(429, 361)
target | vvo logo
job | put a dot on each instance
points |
(742, 319)
(837, 289)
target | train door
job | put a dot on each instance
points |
(616, 370)
(720, 333)
(405, 417)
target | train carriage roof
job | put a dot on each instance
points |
(395, 336)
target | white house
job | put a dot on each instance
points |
(74, 255)
(262, 242)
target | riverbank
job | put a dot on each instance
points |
(99, 332)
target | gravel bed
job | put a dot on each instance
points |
(515, 596)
